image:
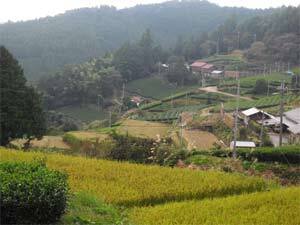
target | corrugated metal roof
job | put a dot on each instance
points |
(250, 112)
(208, 66)
(217, 72)
(243, 144)
(198, 64)
(295, 129)
(293, 115)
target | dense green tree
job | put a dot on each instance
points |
(261, 87)
(178, 72)
(21, 113)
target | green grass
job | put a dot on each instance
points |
(85, 113)
(84, 208)
(259, 103)
(155, 87)
(277, 207)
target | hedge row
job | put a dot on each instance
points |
(288, 154)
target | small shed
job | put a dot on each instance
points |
(217, 73)
(243, 144)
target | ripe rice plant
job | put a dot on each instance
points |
(268, 208)
(138, 185)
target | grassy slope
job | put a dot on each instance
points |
(278, 207)
(86, 114)
(144, 129)
(155, 87)
(251, 80)
(84, 208)
(137, 185)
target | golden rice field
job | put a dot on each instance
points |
(88, 135)
(276, 207)
(138, 185)
(144, 129)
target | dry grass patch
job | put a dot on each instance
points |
(197, 139)
(144, 129)
(88, 135)
(45, 142)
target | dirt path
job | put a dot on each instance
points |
(214, 89)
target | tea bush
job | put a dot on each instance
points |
(31, 193)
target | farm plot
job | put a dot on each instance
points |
(199, 139)
(260, 103)
(249, 82)
(276, 207)
(138, 185)
(144, 129)
(171, 115)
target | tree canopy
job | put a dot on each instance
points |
(21, 113)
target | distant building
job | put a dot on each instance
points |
(217, 73)
(137, 100)
(197, 66)
(207, 68)
(256, 115)
(243, 144)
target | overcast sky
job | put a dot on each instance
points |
(17, 10)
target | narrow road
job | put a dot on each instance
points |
(214, 89)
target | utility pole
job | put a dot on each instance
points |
(122, 98)
(218, 46)
(109, 120)
(268, 91)
(236, 120)
(262, 129)
(281, 112)
(186, 99)
(238, 40)
(98, 102)
(264, 70)
(159, 65)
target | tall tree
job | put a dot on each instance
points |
(21, 113)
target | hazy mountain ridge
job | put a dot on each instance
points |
(46, 44)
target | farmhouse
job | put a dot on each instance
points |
(197, 66)
(256, 115)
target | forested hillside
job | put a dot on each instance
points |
(44, 45)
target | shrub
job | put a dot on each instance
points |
(31, 194)
(286, 154)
